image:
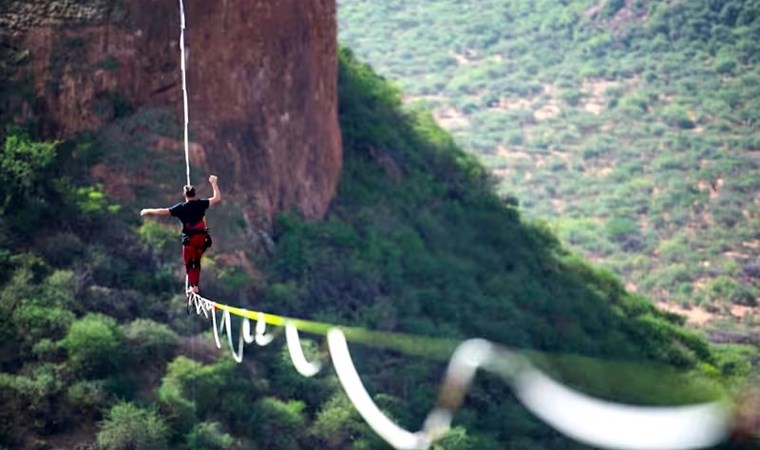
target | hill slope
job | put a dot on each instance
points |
(630, 126)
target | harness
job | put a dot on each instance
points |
(199, 228)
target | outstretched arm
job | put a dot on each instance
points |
(154, 212)
(217, 195)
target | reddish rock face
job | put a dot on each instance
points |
(262, 80)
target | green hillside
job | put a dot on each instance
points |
(97, 349)
(630, 126)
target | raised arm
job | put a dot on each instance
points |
(154, 212)
(217, 195)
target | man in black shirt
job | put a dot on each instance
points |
(195, 238)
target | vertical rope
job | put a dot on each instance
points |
(184, 84)
(187, 163)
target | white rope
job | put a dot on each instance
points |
(184, 86)
(598, 423)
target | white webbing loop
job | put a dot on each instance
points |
(261, 326)
(305, 368)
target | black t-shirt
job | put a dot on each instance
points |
(190, 212)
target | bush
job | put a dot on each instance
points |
(725, 64)
(161, 239)
(211, 394)
(571, 96)
(94, 345)
(209, 436)
(611, 7)
(23, 166)
(150, 341)
(86, 397)
(277, 424)
(29, 402)
(179, 411)
(34, 322)
(128, 427)
(725, 288)
(620, 229)
(336, 423)
(677, 116)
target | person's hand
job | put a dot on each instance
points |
(143, 212)
(212, 179)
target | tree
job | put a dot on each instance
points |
(128, 427)
(209, 436)
(23, 166)
(94, 344)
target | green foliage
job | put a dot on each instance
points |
(92, 200)
(192, 391)
(128, 427)
(611, 7)
(426, 247)
(726, 289)
(95, 346)
(150, 342)
(620, 228)
(23, 166)
(175, 406)
(458, 438)
(678, 116)
(337, 424)
(209, 436)
(87, 397)
(623, 90)
(277, 424)
(30, 403)
(571, 97)
(36, 310)
(736, 361)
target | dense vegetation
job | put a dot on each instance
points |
(630, 125)
(96, 346)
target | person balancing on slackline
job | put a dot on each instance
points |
(195, 236)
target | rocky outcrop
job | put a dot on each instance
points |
(261, 76)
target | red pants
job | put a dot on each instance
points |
(191, 254)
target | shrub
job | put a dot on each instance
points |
(150, 341)
(94, 345)
(677, 116)
(23, 166)
(209, 385)
(571, 96)
(620, 229)
(209, 436)
(179, 411)
(29, 402)
(128, 427)
(611, 7)
(725, 288)
(86, 397)
(277, 423)
(337, 423)
(161, 239)
(725, 64)
(34, 322)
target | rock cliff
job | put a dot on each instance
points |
(261, 76)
